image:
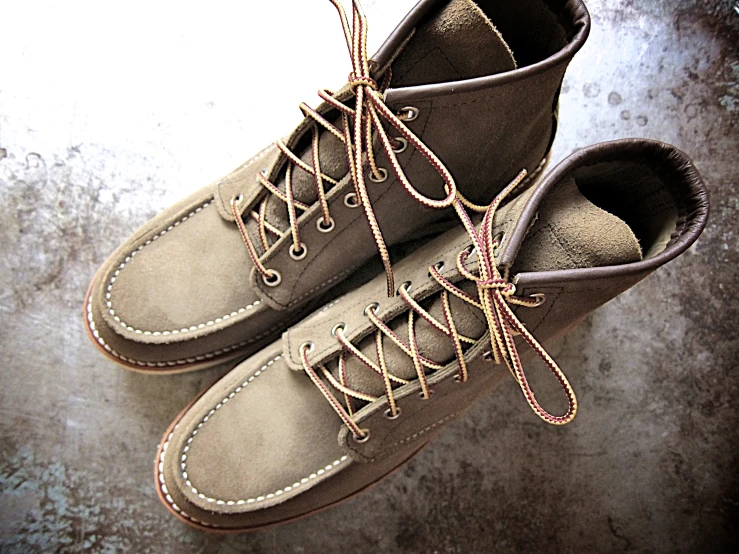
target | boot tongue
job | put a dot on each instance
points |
(455, 42)
(569, 233)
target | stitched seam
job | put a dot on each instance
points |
(165, 491)
(566, 246)
(424, 430)
(251, 160)
(485, 98)
(417, 434)
(546, 315)
(321, 286)
(171, 363)
(109, 290)
(261, 498)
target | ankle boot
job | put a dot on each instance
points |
(384, 376)
(459, 98)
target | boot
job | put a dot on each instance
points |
(354, 391)
(459, 98)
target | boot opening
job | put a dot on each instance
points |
(534, 29)
(643, 192)
(464, 39)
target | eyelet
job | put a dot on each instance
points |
(488, 356)
(338, 327)
(350, 200)
(407, 286)
(431, 393)
(364, 438)
(300, 254)
(439, 266)
(382, 178)
(371, 307)
(237, 199)
(403, 145)
(307, 345)
(409, 113)
(328, 228)
(458, 379)
(389, 414)
(497, 242)
(273, 279)
(540, 298)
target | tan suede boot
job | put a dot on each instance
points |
(355, 390)
(459, 98)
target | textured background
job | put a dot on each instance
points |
(109, 114)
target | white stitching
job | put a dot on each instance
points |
(425, 429)
(165, 491)
(171, 363)
(261, 498)
(109, 290)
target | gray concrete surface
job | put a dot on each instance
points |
(108, 114)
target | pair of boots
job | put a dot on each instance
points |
(430, 153)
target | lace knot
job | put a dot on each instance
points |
(362, 81)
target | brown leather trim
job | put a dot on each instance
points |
(580, 18)
(688, 189)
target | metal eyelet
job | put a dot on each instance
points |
(409, 113)
(371, 307)
(273, 279)
(488, 356)
(264, 174)
(363, 438)
(382, 178)
(237, 199)
(350, 200)
(300, 254)
(540, 298)
(458, 379)
(431, 393)
(439, 266)
(389, 414)
(338, 327)
(307, 345)
(497, 242)
(402, 147)
(407, 286)
(328, 228)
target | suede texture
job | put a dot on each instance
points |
(260, 447)
(182, 294)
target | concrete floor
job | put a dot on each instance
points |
(107, 117)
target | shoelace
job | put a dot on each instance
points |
(495, 295)
(358, 127)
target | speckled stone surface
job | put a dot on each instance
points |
(108, 115)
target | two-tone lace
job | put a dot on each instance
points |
(359, 125)
(495, 294)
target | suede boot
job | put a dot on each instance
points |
(458, 100)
